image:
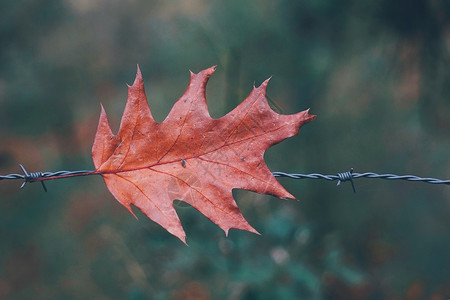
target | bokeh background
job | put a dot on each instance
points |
(375, 72)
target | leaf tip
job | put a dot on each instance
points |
(204, 73)
(246, 227)
(255, 231)
(131, 211)
(138, 69)
(198, 83)
(103, 124)
(103, 117)
(307, 116)
(138, 79)
(180, 235)
(211, 70)
(263, 85)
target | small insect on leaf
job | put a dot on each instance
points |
(183, 163)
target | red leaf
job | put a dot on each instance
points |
(190, 156)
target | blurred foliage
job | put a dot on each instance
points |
(375, 72)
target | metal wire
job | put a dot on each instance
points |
(361, 175)
(349, 176)
(32, 177)
(340, 177)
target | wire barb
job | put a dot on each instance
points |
(346, 176)
(31, 177)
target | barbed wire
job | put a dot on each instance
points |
(349, 176)
(340, 177)
(34, 176)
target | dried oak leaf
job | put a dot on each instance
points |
(190, 156)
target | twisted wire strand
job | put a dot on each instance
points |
(34, 176)
(42, 174)
(341, 177)
(345, 177)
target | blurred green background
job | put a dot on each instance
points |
(375, 72)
